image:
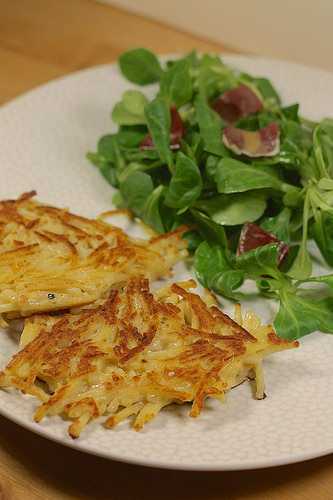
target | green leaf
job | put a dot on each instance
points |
(234, 209)
(105, 147)
(130, 110)
(214, 271)
(288, 259)
(323, 146)
(250, 123)
(151, 210)
(169, 217)
(105, 167)
(176, 83)
(325, 184)
(298, 316)
(185, 185)
(159, 122)
(121, 116)
(296, 137)
(227, 282)
(301, 268)
(326, 280)
(210, 125)
(132, 167)
(135, 190)
(193, 239)
(135, 102)
(214, 77)
(193, 146)
(95, 158)
(129, 170)
(296, 142)
(253, 122)
(294, 197)
(108, 146)
(268, 286)
(131, 136)
(110, 174)
(118, 200)
(264, 119)
(209, 260)
(323, 235)
(233, 176)
(108, 152)
(267, 90)
(291, 112)
(279, 225)
(211, 166)
(260, 261)
(135, 154)
(140, 66)
(321, 199)
(210, 230)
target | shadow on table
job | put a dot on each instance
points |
(71, 473)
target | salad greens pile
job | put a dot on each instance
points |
(171, 167)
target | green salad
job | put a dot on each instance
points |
(252, 180)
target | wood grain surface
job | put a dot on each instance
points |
(40, 40)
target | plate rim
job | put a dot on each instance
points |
(230, 58)
(75, 445)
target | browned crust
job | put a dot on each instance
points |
(134, 348)
(54, 244)
(274, 339)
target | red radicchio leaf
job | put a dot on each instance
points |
(237, 103)
(147, 142)
(177, 128)
(262, 142)
(253, 236)
(176, 133)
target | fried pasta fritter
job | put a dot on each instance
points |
(51, 259)
(136, 353)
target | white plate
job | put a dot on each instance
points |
(44, 136)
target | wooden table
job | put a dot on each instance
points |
(40, 40)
